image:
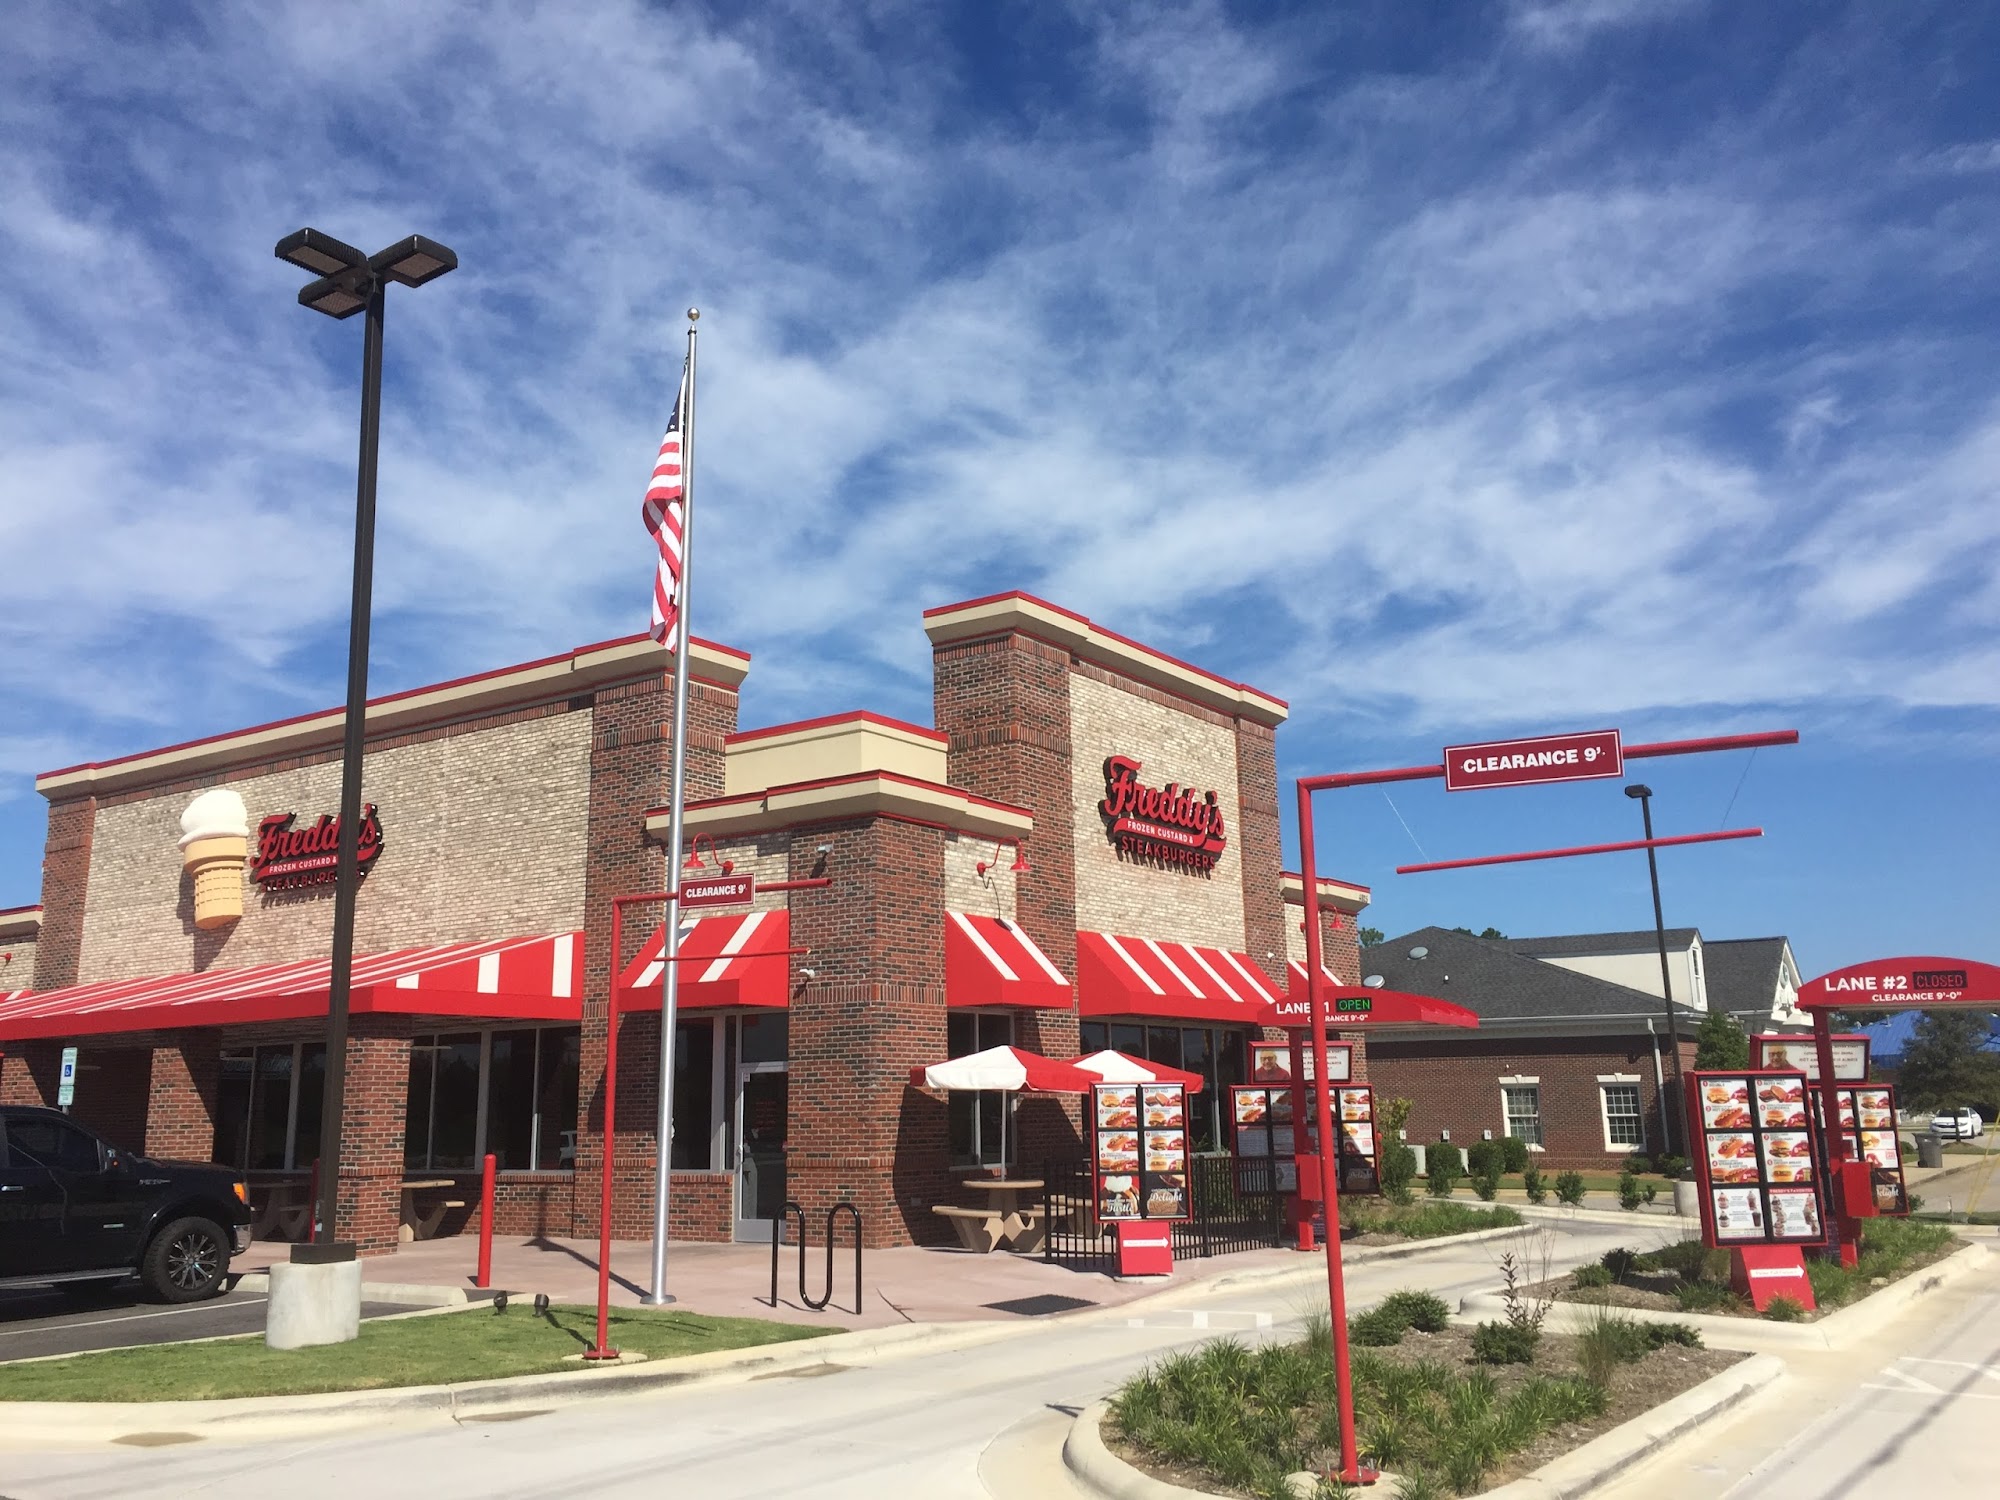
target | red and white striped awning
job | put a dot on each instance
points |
(726, 961)
(1114, 1066)
(990, 961)
(1297, 971)
(514, 979)
(1127, 976)
(1007, 1069)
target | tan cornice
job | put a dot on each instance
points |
(1334, 895)
(878, 794)
(580, 671)
(20, 924)
(1006, 613)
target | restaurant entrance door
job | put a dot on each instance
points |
(762, 1107)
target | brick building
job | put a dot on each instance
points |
(1082, 852)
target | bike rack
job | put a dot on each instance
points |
(778, 1221)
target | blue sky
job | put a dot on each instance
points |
(1449, 371)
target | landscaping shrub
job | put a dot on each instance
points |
(1671, 1166)
(1504, 1344)
(1446, 1167)
(1569, 1188)
(1691, 1260)
(1638, 1163)
(1708, 1296)
(1486, 1184)
(1376, 1330)
(1398, 1167)
(1649, 1191)
(1427, 1220)
(1589, 1276)
(1482, 1155)
(1628, 1190)
(1620, 1262)
(1514, 1153)
(1423, 1311)
(1785, 1310)
(1537, 1189)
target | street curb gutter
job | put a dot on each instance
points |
(1312, 1264)
(1574, 1474)
(1837, 1330)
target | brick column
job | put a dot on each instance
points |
(30, 1072)
(180, 1099)
(874, 1009)
(371, 1134)
(65, 887)
(1004, 702)
(1258, 851)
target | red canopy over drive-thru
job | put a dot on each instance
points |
(1111, 1066)
(738, 960)
(1352, 1005)
(990, 961)
(1005, 1069)
(1904, 984)
(524, 978)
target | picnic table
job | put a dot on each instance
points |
(280, 1205)
(1004, 1222)
(422, 1226)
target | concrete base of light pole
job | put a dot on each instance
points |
(316, 1300)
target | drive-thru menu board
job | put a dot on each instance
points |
(1868, 1121)
(1139, 1150)
(1266, 1132)
(1755, 1164)
(1271, 1062)
(1850, 1055)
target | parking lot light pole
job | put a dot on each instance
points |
(350, 282)
(1643, 795)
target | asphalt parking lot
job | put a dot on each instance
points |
(36, 1322)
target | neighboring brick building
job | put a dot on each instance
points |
(1083, 852)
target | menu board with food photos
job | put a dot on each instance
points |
(1264, 1131)
(1271, 1062)
(1756, 1163)
(1868, 1121)
(1139, 1150)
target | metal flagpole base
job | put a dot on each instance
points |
(657, 1299)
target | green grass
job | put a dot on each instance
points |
(1887, 1247)
(475, 1345)
(1249, 1417)
(1940, 1217)
(1428, 1220)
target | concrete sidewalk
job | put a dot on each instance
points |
(909, 1284)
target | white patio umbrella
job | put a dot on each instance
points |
(1111, 1066)
(1007, 1070)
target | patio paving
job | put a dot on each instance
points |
(908, 1284)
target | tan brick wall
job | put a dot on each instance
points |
(484, 837)
(1177, 744)
(17, 972)
(766, 855)
(988, 895)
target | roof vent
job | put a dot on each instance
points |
(1374, 982)
(1420, 953)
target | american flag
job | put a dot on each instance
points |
(666, 519)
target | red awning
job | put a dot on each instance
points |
(738, 960)
(990, 961)
(515, 979)
(1127, 976)
(1356, 1005)
(1297, 971)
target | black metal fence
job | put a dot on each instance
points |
(1228, 1213)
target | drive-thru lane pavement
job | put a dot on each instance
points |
(918, 1424)
(38, 1321)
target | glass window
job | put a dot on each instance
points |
(558, 1060)
(270, 1108)
(1093, 1036)
(1128, 1039)
(50, 1143)
(766, 1036)
(417, 1104)
(510, 1100)
(979, 1120)
(694, 1095)
(312, 1099)
(232, 1109)
(455, 1103)
(1623, 1124)
(1163, 1045)
(1523, 1104)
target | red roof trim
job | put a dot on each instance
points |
(18, 911)
(858, 716)
(945, 609)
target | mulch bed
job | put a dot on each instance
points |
(1635, 1388)
(1653, 1291)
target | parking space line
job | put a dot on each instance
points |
(165, 1312)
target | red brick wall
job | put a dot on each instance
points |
(369, 1208)
(65, 888)
(180, 1103)
(1257, 843)
(29, 1073)
(1454, 1083)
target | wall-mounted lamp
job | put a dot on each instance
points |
(1019, 866)
(694, 854)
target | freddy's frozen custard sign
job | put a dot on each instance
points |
(290, 857)
(1172, 824)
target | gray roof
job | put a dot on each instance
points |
(1603, 942)
(1743, 975)
(1488, 977)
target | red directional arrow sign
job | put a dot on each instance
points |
(1547, 757)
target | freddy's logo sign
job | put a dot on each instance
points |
(289, 857)
(1170, 823)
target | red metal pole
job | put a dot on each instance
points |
(1847, 1252)
(1756, 741)
(1351, 1471)
(485, 1276)
(1514, 859)
(602, 1348)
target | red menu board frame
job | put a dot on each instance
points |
(1262, 1129)
(1139, 1151)
(1870, 1128)
(1758, 1162)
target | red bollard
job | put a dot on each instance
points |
(485, 1276)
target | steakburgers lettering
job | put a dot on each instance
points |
(1173, 824)
(289, 857)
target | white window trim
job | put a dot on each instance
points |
(1606, 1082)
(1522, 1081)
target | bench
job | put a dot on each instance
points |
(978, 1228)
(421, 1226)
(1029, 1230)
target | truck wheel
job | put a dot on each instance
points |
(186, 1261)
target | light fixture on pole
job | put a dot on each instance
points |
(350, 282)
(694, 854)
(1643, 795)
(1019, 867)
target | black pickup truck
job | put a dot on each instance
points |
(80, 1214)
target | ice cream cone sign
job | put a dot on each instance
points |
(215, 845)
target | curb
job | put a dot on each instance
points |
(397, 1293)
(1638, 1216)
(1837, 1330)
(1312, 1264)
(1573, 1474)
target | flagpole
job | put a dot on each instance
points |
(670, 978)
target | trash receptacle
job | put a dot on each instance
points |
(1930, 1151)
